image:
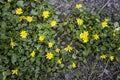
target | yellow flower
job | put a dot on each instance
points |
(68, 48)
(59, 61)
(96, 36)
(23, 34)
(9, 1)
(104, 23)
(12, 44)
(41, 38)
(19, 11)
(81, 35)
(14, 71)
(103, 56)
(119, 48)
(32, 54)
(50, 44)
(21, 18)
(78, 6)
(29, 18)
(84, 36)
(85, 33)
(73, 65)
(53, 23)
(111, 58)
(79, 21)
(49, 55)
(57, 50)
(45, 14)
(85, 40)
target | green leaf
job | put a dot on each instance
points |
(63, 43)
(85, 53)
(103, 48)
(33, 4)
(39, 26)
(7, 6)
(3, 25)
(49, 70)
(23, 58)
(14, 58)
(118, 58)
(20, 3)
(33, 12)
(69, 67)
(5, 73)
(1, 68)
(116, 24)
(61, 65)
(43, 77)
(3, 36)
(85, 61)
(74, 56)
(1, 1)
(97, 20)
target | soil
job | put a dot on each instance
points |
(106, 8)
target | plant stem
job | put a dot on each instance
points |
(103, 6)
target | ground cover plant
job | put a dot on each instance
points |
(35, 44)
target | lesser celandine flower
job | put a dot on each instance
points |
(78, 6)
(14, 71)
(29, 18)
(41, 38)
(45, 14)
(104, 23)
(103, 56)
(84, 36)
(73, 65)
(53, 23)
(23, 34)
(68, 48)
(49, 55)
(85, 39)
(50, 44)
(19, 11)
(12, 44)
(96, 36)
(79, 21)
(57, 50)
(111, 58)
(32, 54)
(59, 61)
(21, 18)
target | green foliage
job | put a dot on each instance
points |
(62, 34)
